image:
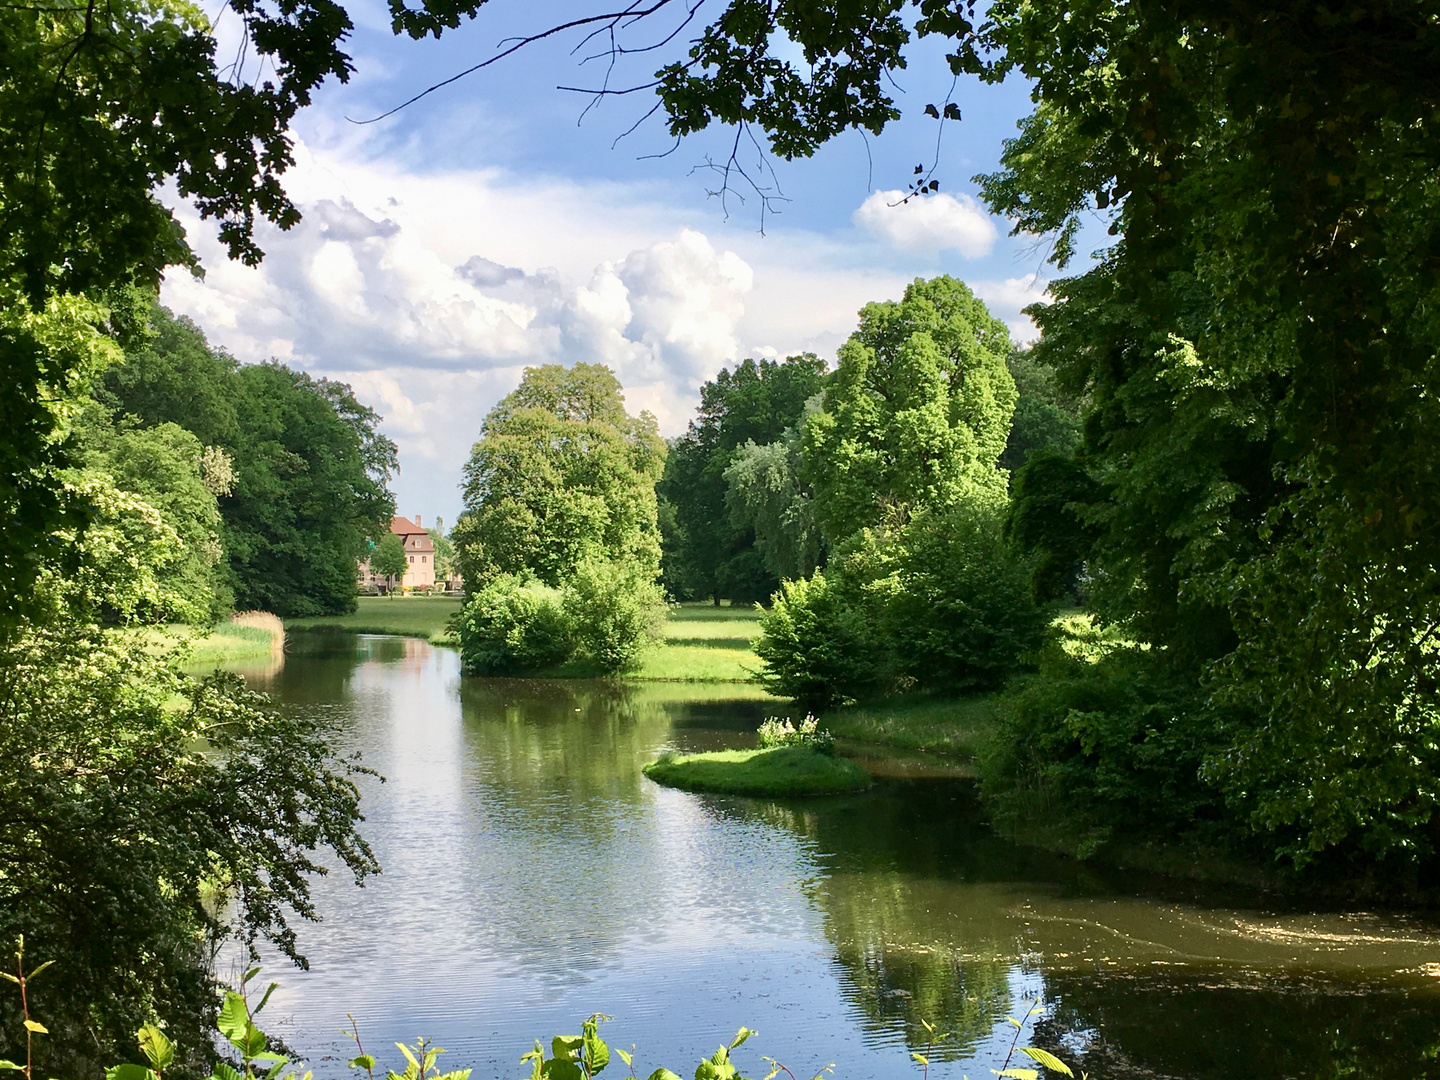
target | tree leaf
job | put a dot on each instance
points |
(37, 1027)
(364, 1061)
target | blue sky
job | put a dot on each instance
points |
(487, 227)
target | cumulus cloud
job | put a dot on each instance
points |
(928, 224)
(1007, 299)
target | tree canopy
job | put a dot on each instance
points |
(561, 474)
(710, 553)
(917, 412)
(310, 468)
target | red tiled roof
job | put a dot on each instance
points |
(406, 529)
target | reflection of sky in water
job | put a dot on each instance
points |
(532, 877)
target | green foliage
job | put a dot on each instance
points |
(513, 625)
(1049, 499)
(615, 610)
(388, 558)
(561, 475)
(131, 796)
(710, 554)
(916, 415)
(444, 554)
(1046, 417)
(47, 359)
(779, 772)
(605, 616)
(939, 603)
(817, 642)
(764, 493)
(308, 465)
(171, 486)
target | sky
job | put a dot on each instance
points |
(496, 223)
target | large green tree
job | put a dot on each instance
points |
(561, 475)
(310, 466)
(917, 413)
(709, 553)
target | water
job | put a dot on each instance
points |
(532, 877)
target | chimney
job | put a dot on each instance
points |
(417, 520)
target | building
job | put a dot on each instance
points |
(419, 551)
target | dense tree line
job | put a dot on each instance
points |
(306, 494)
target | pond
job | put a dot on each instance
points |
(532, 877)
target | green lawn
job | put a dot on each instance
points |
(953, 726)
(408, 616)
(704, 643)
(221, 645)
(784, 771)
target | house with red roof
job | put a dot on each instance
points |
(419, 553)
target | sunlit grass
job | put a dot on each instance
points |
(955, 726)
(704, 643)
(408, 616)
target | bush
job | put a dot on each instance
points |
(606, 615)
(615, 611)
(515, 625)
(775, 732)
(818, 642)
(1106, 739)
(941, 602)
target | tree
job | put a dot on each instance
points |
(444, 552)
(388, 559)
(765, 494)
(916, 415)
(309, 465)
(710, 554)
(561, 474)
(174, 484)
(1046, 417)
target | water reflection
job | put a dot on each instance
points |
(532, 876)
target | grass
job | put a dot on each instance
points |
(408, 616)
(785, 771)
(224, 644)
(704, 643)
(952, 726)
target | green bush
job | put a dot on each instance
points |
(818, 642)
(515, 625)
(1108, 740)
(941, 602)
(615, 611)
(605, 615)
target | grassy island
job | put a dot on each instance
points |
(782, 771)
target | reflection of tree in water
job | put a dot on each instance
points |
(908, 954)
(1214, 1026)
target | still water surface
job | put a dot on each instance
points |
(532, 876)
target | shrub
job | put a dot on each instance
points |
(615, 610)
(515, 625)
(818, 642)
(775, 732)
(961, 613)
(939, 602)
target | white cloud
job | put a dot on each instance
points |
(1006, 299)
(928, 224)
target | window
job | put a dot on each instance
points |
(422, 558)
(412, 558)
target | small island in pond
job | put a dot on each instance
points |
(778, 771)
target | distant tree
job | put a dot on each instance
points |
(561, 474)
(309, 466)
(1046, 417)
(444, 552)
(917, 412)
(310, 473)
(388, 559)
(708, 554)
(765, 494)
